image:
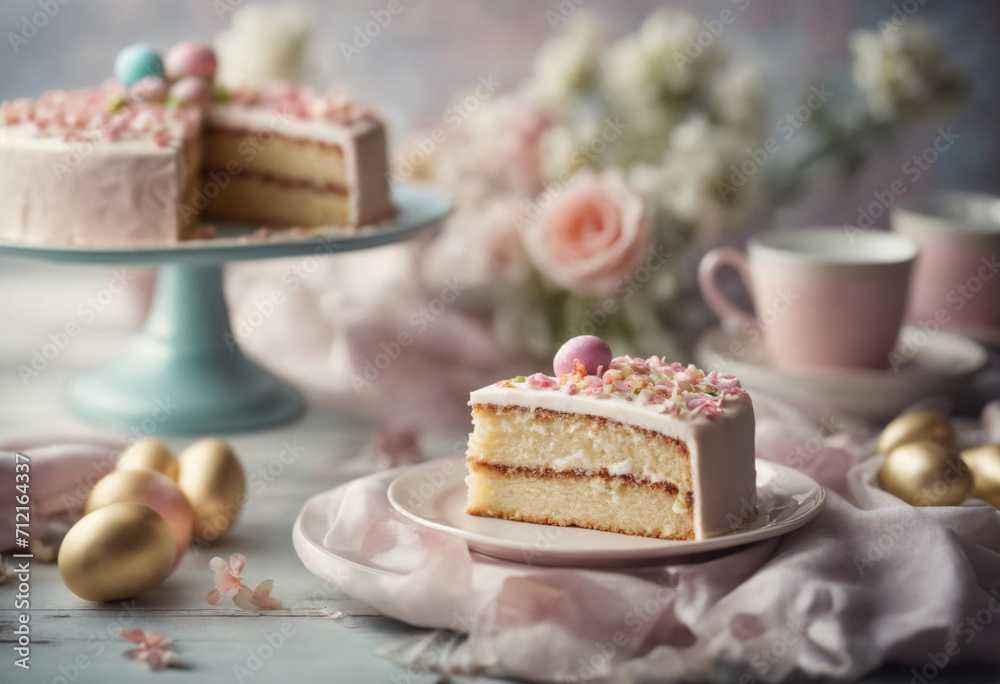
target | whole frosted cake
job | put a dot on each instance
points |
(141, 159)
(629, 445)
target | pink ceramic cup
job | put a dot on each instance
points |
(823, 297)
(956, 282)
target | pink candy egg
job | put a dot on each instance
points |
(151, 89)
(193, 91)
(593, 352)
(190, 59)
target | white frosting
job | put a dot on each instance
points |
(54, 191)
(721, 448)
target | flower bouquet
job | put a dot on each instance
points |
(583, 196)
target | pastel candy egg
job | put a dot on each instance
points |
(593, 352)
(151, 89)
(190, 59)
(136, 62)
(193, 91)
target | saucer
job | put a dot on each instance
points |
(433, 494)
(929, 364)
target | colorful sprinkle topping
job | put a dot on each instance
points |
(95, 115)
(302, 102)
(650, 382)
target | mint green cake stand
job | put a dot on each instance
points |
(185, 373)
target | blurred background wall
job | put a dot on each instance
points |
(433, 48)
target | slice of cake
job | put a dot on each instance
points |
(140, 160)
(629, 445)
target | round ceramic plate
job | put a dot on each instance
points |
(434, 494)
(939, 364)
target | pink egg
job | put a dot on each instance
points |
(593, 352)
(152, 489)
(151, 89)
(190, 59)
(193, 91)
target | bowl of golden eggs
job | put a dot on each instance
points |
(140, 518)
(923, 467)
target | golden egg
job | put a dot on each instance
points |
(116, 552)
(984, 462)
(213, 480)
(925, 474)
(151, 489)
(149, 454)
(919, 426)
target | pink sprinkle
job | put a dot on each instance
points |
(541, 381)
(569, 388)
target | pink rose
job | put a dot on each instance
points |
(591, 235)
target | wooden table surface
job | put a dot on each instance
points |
(77, 641)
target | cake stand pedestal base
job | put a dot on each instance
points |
(185, 374)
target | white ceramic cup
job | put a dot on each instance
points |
(956, 283)
(823, 297)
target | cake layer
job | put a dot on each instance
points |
(270, 202)
(263, 152)
(559, 441)
(266, 136)
(612, 504)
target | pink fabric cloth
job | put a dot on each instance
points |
(870, 580)
(368, 333)
(60, 477)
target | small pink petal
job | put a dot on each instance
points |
(242, 599)
(262, 598)
(136, 636)
(236, 563)
(213, 597)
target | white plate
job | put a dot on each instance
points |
(434, 494)
(939, 364)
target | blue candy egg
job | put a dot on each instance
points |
(136, 62)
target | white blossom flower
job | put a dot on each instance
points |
(737, 96)
(684, 187)
(263, 44)
(652, 69)
(567, 64)
(903, 71)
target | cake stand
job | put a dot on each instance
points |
(185, 373)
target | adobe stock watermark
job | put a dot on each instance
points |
(751, 331)
(257, 657)
(365, 33)
(292, 279)
(785, 128)
(902, 12)
(965, 633)
(915, 338)
(562, 13)
(87, 311)
(626, 288)
(419, 321)
(219, 179)
(695, 46)
(586, 152)
(763, 660)
(34, 22)
(421, 149)
(635, 620)
(912, 170)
